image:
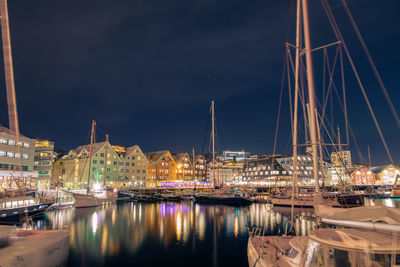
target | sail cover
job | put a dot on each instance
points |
(373, 214)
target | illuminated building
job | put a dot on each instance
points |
(136, 166)
(341, 158)
(12, 154)
(264, 172)
(184, 170)
(235, 156)
(161, 168)
(73, 169)
(386, 174)
(362, 175)
(44, 150)
(200, 169)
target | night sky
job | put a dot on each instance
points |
(147, 70)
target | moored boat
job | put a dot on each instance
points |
(227, 199)
(15, 208)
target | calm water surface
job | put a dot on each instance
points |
(171, 234)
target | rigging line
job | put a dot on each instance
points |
(280, 101)
(331, 83)
(340, 37)
(331, 72)
(344, 96)
(371, 62)
(323, 73)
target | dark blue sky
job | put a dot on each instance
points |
(147, 70)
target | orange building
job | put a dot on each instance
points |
(161, 168)
(200, 169)
(362, 175)
(184, 170)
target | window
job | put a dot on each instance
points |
(19, 144)
(25, 156)
(108, 169)
(17, 155)
(11, 142)
(10, 154)
(133, 163)
(115, 163)
(94, 169)
(3, 141)
(102, 155)
(144, 171)
(138, 171)
(102, 162)
(94, 161)
(3, 153)
(43, 172)
(133, 157)
(127, 164)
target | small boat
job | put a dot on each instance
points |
(170, 197)
(43, 248)
(13, 209)
(227, 199)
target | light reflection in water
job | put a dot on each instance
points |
(129, 231)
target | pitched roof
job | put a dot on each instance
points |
(378, 169)
(95, 148)
(156, 156)
(179, 156)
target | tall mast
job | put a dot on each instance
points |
(339, 141)
(311, 92)
(369, 158)
(193, 165)
(296, 94)
(8, 69)
(90, 155)
(10, 85)
(213, 139)
(105, 161)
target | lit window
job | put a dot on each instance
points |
(3, 153)
(25, 156)
(11, 142)
(10, 154)
(3, 141)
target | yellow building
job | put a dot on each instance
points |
(386, 174)
(136, 166)
(73, 169)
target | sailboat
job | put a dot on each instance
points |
(372, 237)
(95, 199)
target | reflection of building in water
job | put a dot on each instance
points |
(270, 221)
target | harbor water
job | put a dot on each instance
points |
(172, 234)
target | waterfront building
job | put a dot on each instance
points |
(362, 175)
(304, 168)
(341, 158)
(136, 165)
(200, 169)
(161, 168)
(72, 170)
(386, 174)
(14, 154)
(184, 169)
(265, 172)
(43, 162)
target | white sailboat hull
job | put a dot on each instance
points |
(87, 201)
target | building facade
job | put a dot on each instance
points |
(44, 150)
(200, 169)
(136, 165)
(161, 168)
(386, 174)
(13, 154)
(184, 169)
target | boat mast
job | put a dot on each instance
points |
(9, 79)
(213, 140)
(90, 155)
(296, 94)
(311, 92)
(193, 165)
(105, 161)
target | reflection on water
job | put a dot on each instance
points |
(388, 202)
(171, 234)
